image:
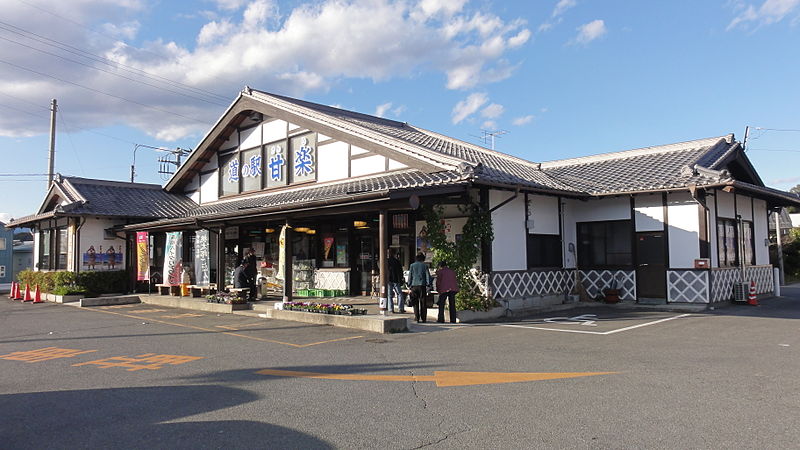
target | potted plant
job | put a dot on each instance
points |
(611, 293)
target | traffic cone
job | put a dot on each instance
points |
(37, 296)
(13, 288)
(18, 293)
(751, 297)
(28, 297)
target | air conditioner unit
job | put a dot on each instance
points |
(741, 290)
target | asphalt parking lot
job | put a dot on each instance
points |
(143, 376)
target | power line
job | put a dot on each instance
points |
(775, 150)
(112, 73)
(118, 41)
(22, 111)
(778, 129)
(104, 93)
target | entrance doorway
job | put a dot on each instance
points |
(651, 268)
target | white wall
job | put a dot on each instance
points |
(194, 184)
(683, 219)
(542, 214)
(273, 131)
(332, 161)
(568, 207)
(725, 205)
(394, 165)
(509, 247)
(369, 165)
(232, 142)
(615, 208)
(92, 233)
(250, 137)
(649, 212)
(209, 187)
(744, 206)
(760, 231)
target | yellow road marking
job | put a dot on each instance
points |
(194, 327)
(441, 378)
(238, 327)
(179, 316)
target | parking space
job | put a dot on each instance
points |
(596, 322)
(252, 328)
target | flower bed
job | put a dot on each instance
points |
(227, 298)
(324, 308)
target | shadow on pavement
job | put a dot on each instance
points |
(132, 418)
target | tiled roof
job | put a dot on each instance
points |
(650, 168)
(329, 191)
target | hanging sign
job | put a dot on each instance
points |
(173, 265)
(202, 260)
(142, 256)
(281, 253)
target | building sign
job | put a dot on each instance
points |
(202, 260)
(142, 256)
(304, 158)
(173, 264)
(276, 164)
(232, 233)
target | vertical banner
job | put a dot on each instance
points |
(202, 260)
(173, 265)
(142, 255)
(281, 253)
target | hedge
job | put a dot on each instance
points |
(106, 282)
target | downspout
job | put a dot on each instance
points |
(77, 249)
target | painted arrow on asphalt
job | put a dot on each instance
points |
(442, 379)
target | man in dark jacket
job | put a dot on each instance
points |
(419, 278)
(395, 282)
(251, 271)
(240, 278)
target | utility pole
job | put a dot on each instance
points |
(780, 244)
(51, 160)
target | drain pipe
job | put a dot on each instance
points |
(77, 247)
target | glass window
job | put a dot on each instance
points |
(747, 242)
(62, 248)
(251, 169)
(44, 249)
(2, 271)
(728, 242)
(2, 243)
(604, 243)
(544, 250)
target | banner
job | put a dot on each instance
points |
(173, 264)
(281, 254)
(202, 260)
(142, 256)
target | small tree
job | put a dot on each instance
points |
(794, 190)
(461, 255)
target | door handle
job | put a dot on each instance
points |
(642, 265)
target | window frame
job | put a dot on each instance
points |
(544, 239)
(583, 256)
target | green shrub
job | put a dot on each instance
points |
(473, 302)
(104, 282)
(70, 290)
(89, 282)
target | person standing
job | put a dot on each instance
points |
(446, 286)
(240, 278)
(250, 258)
(419, 278)
(395, 272)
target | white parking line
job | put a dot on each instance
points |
(598, 332)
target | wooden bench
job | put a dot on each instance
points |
(239, 291)
(202, 290)
(168, 289)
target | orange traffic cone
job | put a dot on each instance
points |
(37, 296)
(28, 297)
(13, 289)
(18, 293)
(751, 297)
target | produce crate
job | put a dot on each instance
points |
(316, 292)
(303, 293)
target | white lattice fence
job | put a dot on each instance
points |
(594, 281)
(722, 281)
(687, 286)
(519, 284)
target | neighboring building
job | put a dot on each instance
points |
(74, 226)
(6, 250)
(23, 257)
(786, 224)
(670, 223)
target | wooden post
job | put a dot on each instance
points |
(287, 264)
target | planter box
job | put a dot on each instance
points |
(474, 316)
(65, 298)
(239, 306)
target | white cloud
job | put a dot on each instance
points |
(771, 11)
(493, 111)
(524, 120)
(590, 31)
(468, 106)
(309, 47)
(562, 6)
(381, 109)
(5, 217)
(489, 125)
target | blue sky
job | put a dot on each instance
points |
(563, 78)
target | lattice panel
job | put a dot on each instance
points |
(530, 283)
(331, 280)
(594, 281)
(687, 286)
(722, 281)
(478, 283)
(762, 275)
